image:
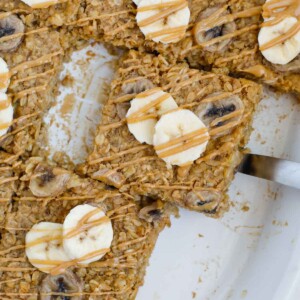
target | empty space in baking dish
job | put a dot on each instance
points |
(250, 253)
(84, 86)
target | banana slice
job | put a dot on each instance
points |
(180, 137)
(4, 76)
(6, 113)
(88, 234)
(44, 246)
(163, 21)
(143, 112)
(284, 52)
(40, 3)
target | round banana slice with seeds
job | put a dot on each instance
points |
(163, 21)
(44, 246)
(285, 51)
(88, 234)
(4, 76)
(180, 137)
(144, 110)
(6, 113)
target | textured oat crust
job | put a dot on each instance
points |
(116, 148)
(34, 68)
(116, 276)
(114, 21)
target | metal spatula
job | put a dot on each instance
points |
(275, 169)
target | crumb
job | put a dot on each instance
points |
(199, 279)
(280, 223)
(200, 235)
(68, 81)
(90, 53)
(194, 294)
(245, 208)
(68, 105)
(244, 293)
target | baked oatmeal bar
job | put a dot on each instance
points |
(49, 194)
(226, 105)
(219, 35)
(33, 62)
(9, 169)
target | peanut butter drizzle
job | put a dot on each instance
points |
(30, 91)
(260, 71)
(4, 77)
(142, 118)
(60, 268)
(148, 92)
(227, 126)
(87, 19)
(111, 212)
(228, 36)
(181, 139)
(22, 118)
(226, 117)
(112, 157)
(278, 10)
(46, 73)
(3, 200)
(15, 131)
(44, 239)
(34, 63)
(138, 160)
(122, 99)
(175, 187)
(172, 8)
(67, 294)
(134, 117)
(4, 15)
(84, 224)
(16, 35)
(10, 179)
(282, 38)
(218, 20)
(186, 146)
(223, 149)
(5, 104)
(171, 32)
(237, 56)
(211, 21)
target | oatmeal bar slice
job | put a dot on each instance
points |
(34, 61)
(117, 275)
(219, 35)
(228, 105)
(9, 170)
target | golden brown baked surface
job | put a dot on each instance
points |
(34, 68)
(116, 276)
(201, 186)
(114, 22)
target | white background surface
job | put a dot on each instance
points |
(252, 255)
